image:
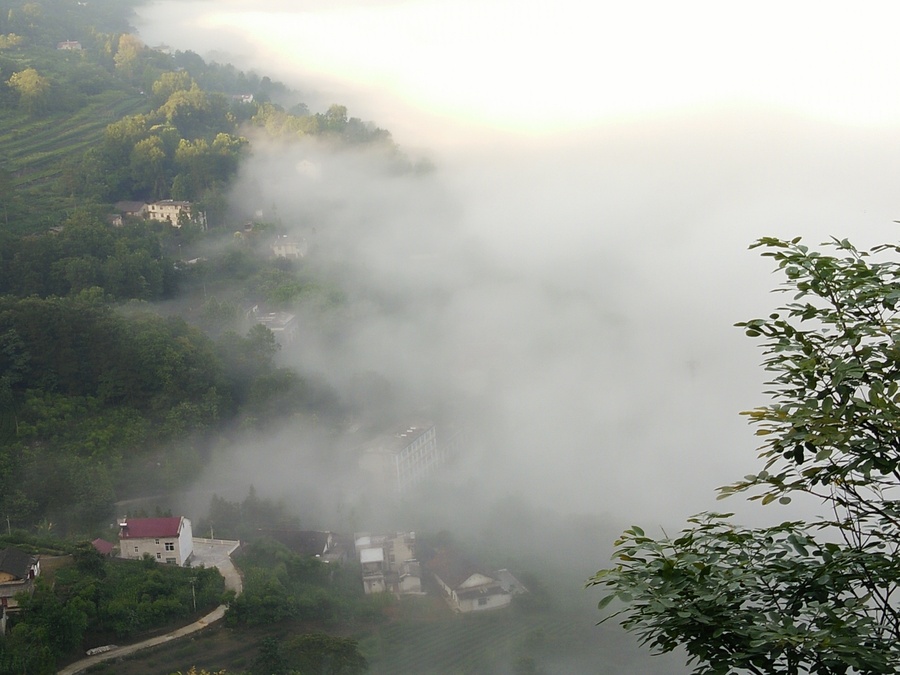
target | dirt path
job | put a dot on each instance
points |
(209, 552)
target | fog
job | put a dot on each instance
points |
(565, 282)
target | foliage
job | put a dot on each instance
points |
(281, 585)
(796, 597)
(33, 89)
(245, 520)
(99, 596)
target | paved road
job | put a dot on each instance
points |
(208, 552)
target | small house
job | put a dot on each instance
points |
(465, 586)
(167, 540)
(18, 571)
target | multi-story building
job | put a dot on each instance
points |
(400, 461)
(389, 563)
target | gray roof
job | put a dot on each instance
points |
(15, 562)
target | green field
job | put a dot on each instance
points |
(34, 148)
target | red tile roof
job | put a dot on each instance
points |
(102, 546)
(145, 528)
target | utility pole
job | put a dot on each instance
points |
(193, 593)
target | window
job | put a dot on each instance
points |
(157, 541)
(135, 549)
(159, 556)
(170, 546)
(170, 561)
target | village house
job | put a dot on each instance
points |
(389, 563)
(465, 586)
(285, 246)
(166, 540)
(174, 212)
(18, 571)
(282, 324)
(69, 45)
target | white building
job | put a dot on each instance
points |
(166, 540)
(465, 587)
(402, 460)
(287, 247)
(174, 213)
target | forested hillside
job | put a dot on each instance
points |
(96, 386)
(127, 354)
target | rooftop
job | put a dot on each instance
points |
(145, 528)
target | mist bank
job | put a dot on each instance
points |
(569, 294)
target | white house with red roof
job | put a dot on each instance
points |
(167, 540)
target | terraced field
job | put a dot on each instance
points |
(33, 149)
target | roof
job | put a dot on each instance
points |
(15, 562)
(370, 555)
(130, 207)
(453, 569)
(147, 528)
(102, 546)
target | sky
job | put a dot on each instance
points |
(574, 265)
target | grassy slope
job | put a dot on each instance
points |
(34, 147)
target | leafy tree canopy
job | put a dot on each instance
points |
(797, 597)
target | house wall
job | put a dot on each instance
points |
(171, 550)
(492, 601)
(418, 460)
(185, 546)
(134, 549)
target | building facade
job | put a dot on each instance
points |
(166, 540)
(398, 462)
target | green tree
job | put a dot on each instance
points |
(33, 90)
(796, 597)
(128, 55)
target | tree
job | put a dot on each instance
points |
(128, 54)
(797, 597)
(33, 90)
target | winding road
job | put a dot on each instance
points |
(207, 552)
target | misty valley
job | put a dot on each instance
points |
(355, 336)
(220, 332)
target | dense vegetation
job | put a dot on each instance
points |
(104, 396)
(92, 599)
(95, 387)
(802, 596)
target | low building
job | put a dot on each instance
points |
(283, 325)
(288, 247)
(103, 547)
(18, 570)
(389, 563)
(167, 540)
(69, 45)
(465, 586)
(176, 213)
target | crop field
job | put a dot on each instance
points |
(33, 148)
